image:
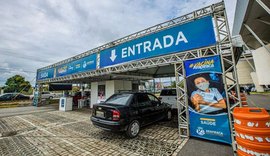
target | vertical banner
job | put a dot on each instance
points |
(206, 99)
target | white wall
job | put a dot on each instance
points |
(109, 88)
(262, 64)
(243, 71)
(258, 87)
(113, 86)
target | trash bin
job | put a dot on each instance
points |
(252, 129)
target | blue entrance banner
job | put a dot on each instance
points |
(45, 74)
(206, 99)
(81, 65)
(192, 35)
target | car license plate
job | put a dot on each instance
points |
(100, 114)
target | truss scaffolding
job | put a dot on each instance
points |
(223, 48)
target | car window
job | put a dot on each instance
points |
(152, 98)
(143, 100)
(119, 99)
(7, 96)
(168, 92)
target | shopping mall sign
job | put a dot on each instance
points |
(196, 34)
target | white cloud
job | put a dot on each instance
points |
(38, 33)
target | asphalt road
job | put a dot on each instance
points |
(199, 147)
(258, 100)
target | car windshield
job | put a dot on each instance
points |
(119, 99)
(168, 92)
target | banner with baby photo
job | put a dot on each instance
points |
(206, 98)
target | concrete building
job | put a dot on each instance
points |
(252, 22)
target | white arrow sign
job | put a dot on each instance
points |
(113, 56)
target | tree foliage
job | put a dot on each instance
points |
(17, 83)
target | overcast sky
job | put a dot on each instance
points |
(37, 33)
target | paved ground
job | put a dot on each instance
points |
(51, 132)
(259, 101)
(199, 147)
(46, 131)
(4, 112)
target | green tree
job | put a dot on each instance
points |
(173, 84)
(17, 83)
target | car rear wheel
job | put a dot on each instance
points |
(50, 97)
(133, 129)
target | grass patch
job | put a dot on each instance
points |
(261, 93)
(14, 104)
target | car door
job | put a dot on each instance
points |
(145, 108)
(6, 97)
(158, 112)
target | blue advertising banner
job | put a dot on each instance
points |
(207, 105)
(77, 66)
(45, 74)
(192, 35)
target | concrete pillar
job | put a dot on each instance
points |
(109, 88)
(94, 93)
(261, 59)
(114, 86)
(243, 72)
(258, 87)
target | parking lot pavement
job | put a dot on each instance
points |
(200, 147)
(72, 133)
(4, 112)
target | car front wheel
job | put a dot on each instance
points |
(133, 129)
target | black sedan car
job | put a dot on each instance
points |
(13, 96)
(128, 112)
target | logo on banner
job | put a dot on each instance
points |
(200, 131)
(62, 69)
(84, 64)
(203, 64)
(44, 75)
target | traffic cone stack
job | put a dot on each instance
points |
(252, 130)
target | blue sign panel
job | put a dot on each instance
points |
(80, 65)
(45, 74)
(62, 102)
(196, 34)
(207, 104)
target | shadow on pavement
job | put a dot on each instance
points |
(199, 147)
